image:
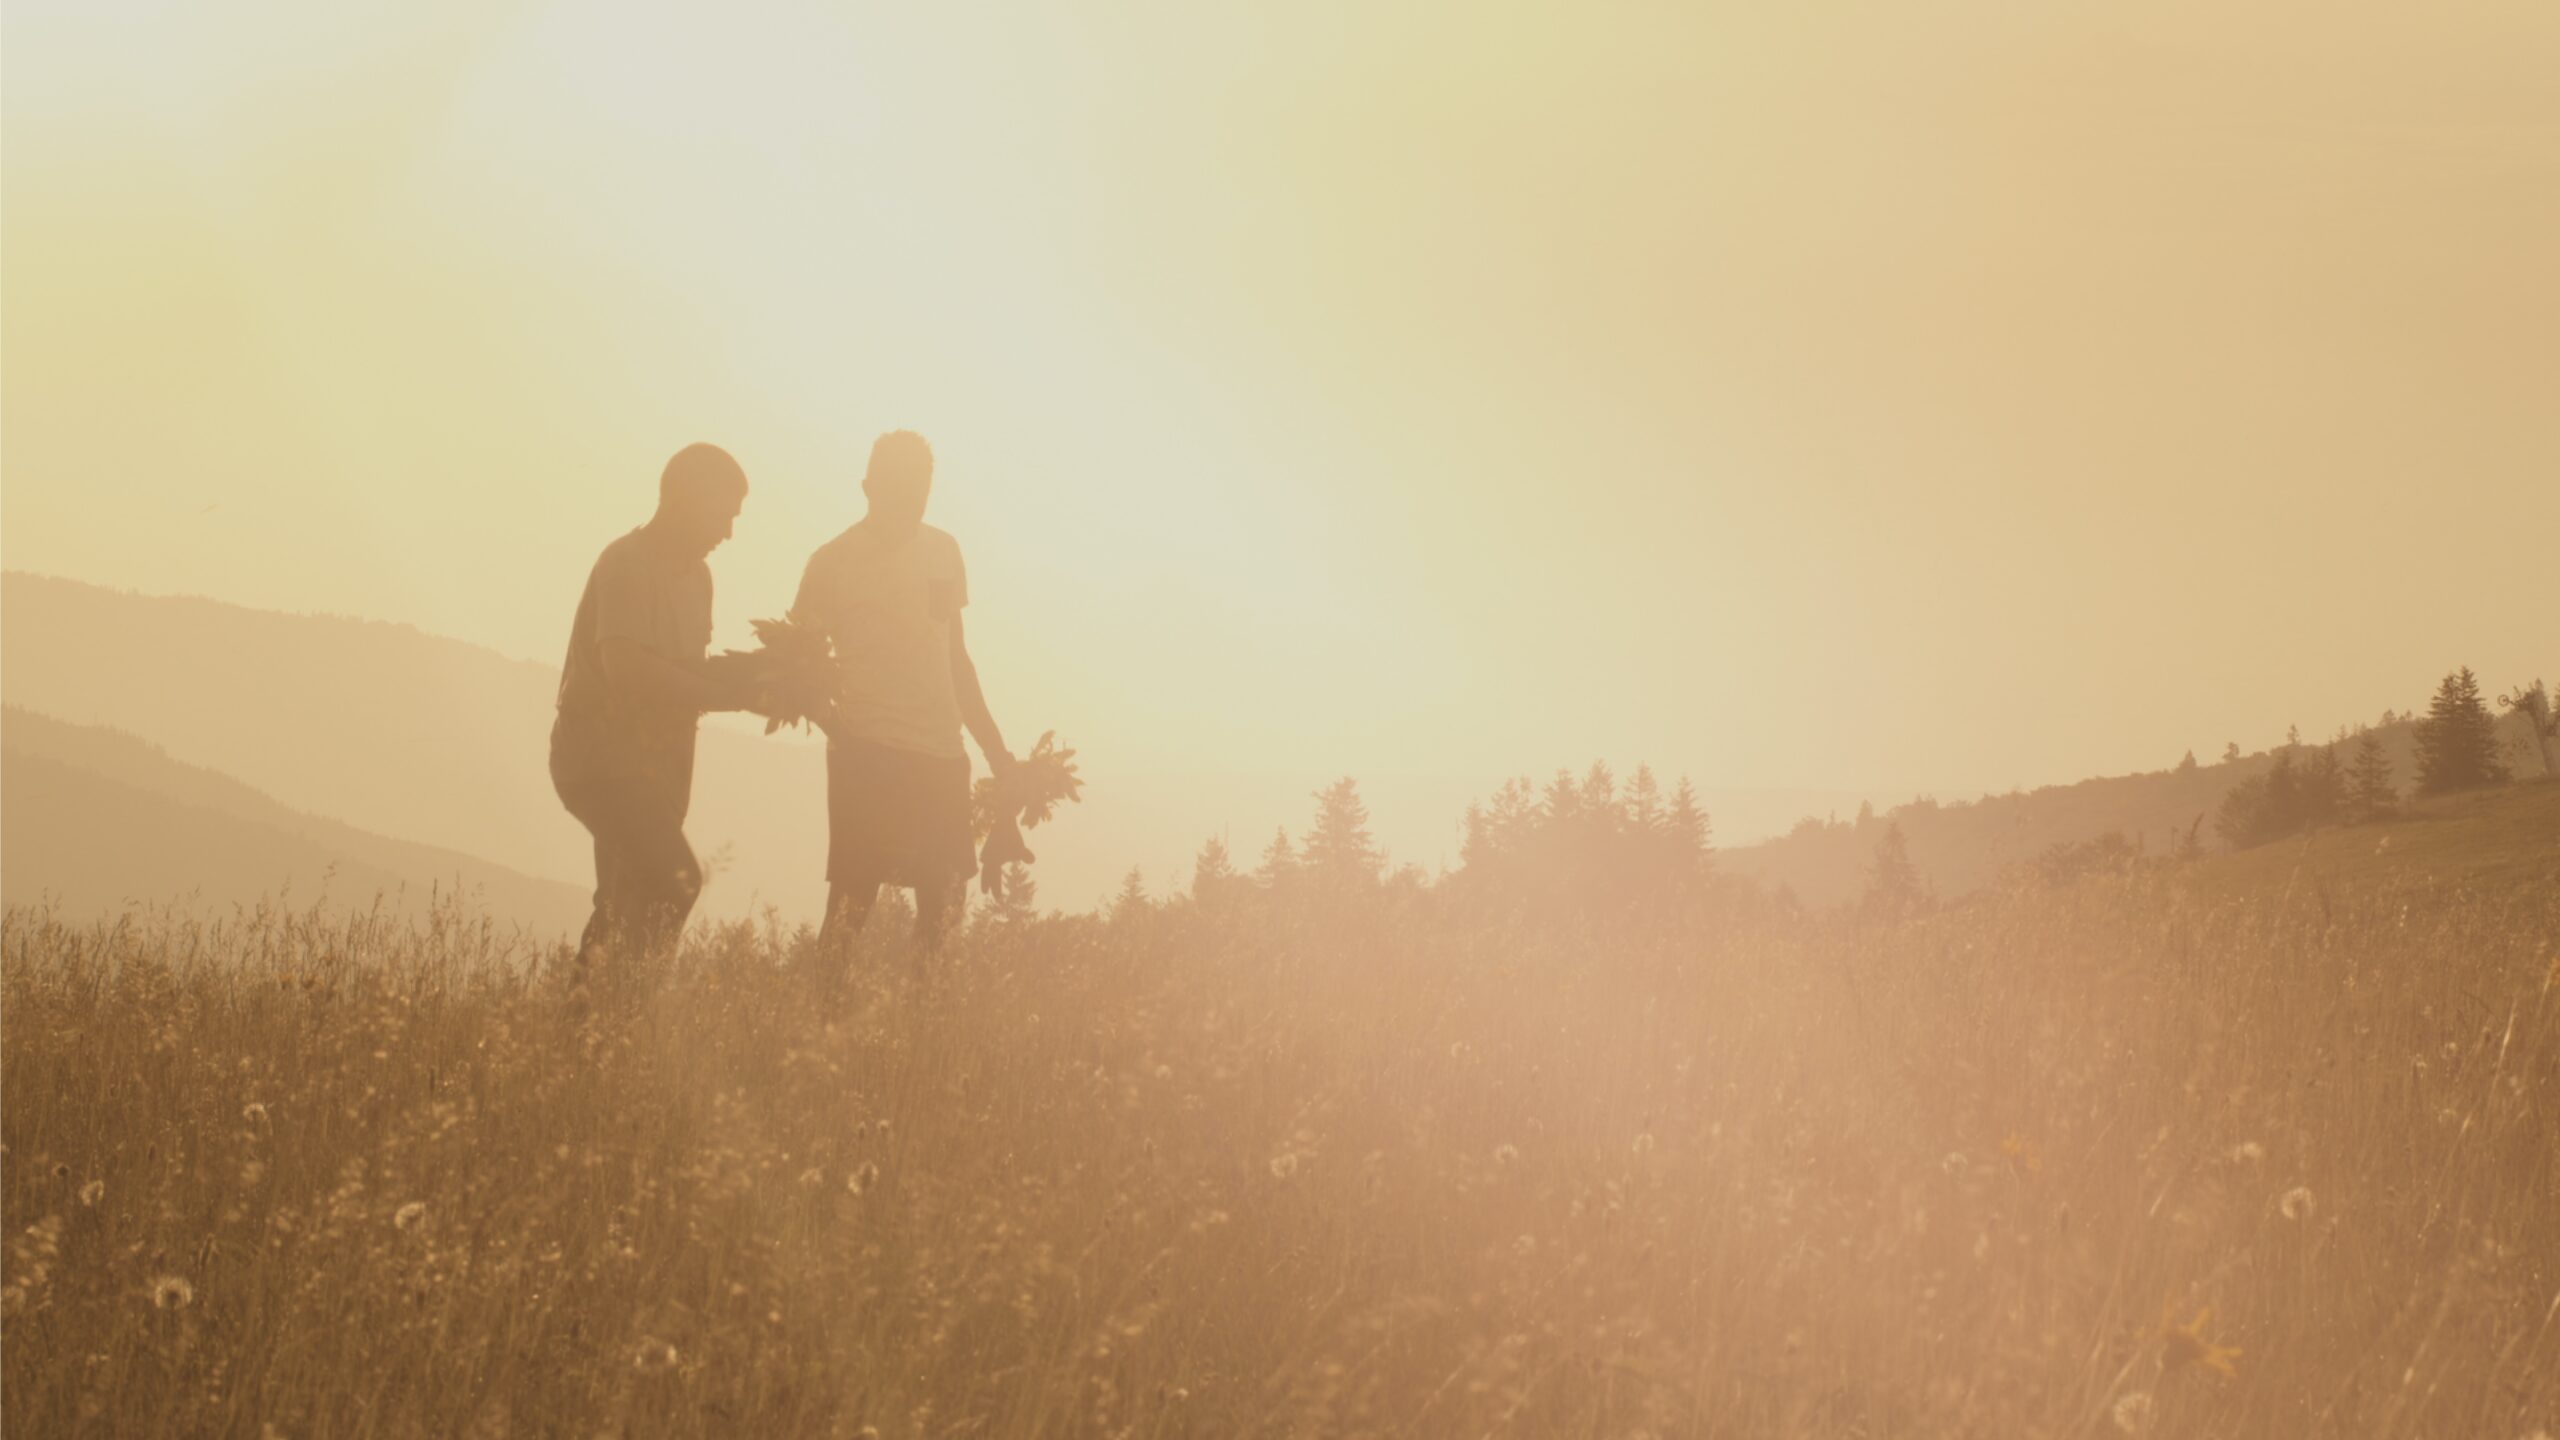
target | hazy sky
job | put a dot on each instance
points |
(1947, 397)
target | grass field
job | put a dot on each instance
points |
(2194, 1151)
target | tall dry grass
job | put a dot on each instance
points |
(1379, 1170)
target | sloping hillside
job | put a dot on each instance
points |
(1962, 846)
(392, 730)
(94, 821)
(2494, 840)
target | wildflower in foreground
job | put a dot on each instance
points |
(2185, 1345)
(409, 1215)
(2022, 1152)
(93, 1192)
(2296, 1204)
(2131, 1412)
(171, 1292)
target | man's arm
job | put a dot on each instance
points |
(973, 703)
(638, 671)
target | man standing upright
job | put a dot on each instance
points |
(889, 592)
(632, 691)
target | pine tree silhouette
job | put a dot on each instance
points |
(1644, 803)
(1132, 903)
(1688, 824)
(2458, 741)
(2370, 793)
(1893, 882)
(1280, 867)
(1213, 877)
(1339, 851)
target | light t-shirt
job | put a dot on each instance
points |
(889, 608)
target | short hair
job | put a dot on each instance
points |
(701, 469)
(898, 455)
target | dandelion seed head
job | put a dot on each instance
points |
(2297, 1203)
(93, 1192)
(408, 1216)
(172, 1292)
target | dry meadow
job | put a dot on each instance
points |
(2127, 1156)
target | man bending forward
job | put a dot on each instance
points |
(889, 593)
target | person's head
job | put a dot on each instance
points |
(899, 479)
(699, 496)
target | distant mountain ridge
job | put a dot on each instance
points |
(93, 821)
(440, 742)
(387, 728)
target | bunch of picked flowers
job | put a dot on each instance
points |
(1021, 797)
(789, 678)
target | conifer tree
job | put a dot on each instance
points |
(1599, 787)
(1644, 802)
(1280, 866)
(1688, 824)
(1339, 850)
(1893, 882)
(2370, 793)
(2458, 741)
(1012, 902)
(1132, 903)
(1213, 876)
(2188, 764)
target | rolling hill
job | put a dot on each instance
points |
(388, 729)
(96, 821)
(1961, 846)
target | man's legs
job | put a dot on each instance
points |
(848, 906)
(647, 878)
(661, 880)
(933, 914)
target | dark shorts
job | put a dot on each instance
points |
(895, 816)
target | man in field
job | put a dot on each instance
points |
(888, 593)
(632, 690)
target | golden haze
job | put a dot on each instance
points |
(1431, 396)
